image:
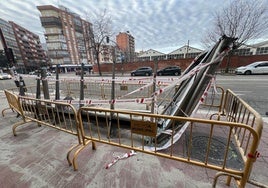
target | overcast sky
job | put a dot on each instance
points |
(163, 25)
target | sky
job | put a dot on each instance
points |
(162, 25)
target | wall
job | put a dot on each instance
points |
(236, 61)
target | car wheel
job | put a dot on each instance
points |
(132, 74)
(248, 72)
(176, 73)
(159, 74)
(147, 74)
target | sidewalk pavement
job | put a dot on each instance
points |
(37, 158)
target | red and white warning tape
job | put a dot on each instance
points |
(117, 158)
(90, 101)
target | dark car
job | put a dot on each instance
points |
(142, 71)
(171, 70)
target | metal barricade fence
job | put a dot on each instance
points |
(236, 110)
(214, 99)
(57, 115)
(228, 147)
(99, 90)
(228, 144)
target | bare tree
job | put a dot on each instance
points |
(98, 35)
(244, 19)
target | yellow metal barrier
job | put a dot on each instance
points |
(228, 147)
(58, 115)
(227, 144)
(13, 103)
(236, 110)
(214, 100)
(99, 90)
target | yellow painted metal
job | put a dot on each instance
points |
(245, 133)
(58, 115)
(236, 122)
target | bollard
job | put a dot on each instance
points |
(22, 86)
(38, 87)
(44, 82)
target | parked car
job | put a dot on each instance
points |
(142, 71)
(32, 73)
(38, 72)
(49, 73)
(170, 70)
(5, 76)
(259, 67)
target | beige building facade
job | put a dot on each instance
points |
(67, 36)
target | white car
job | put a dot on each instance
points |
(259, 67)
(5, 76)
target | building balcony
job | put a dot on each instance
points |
(51, 21)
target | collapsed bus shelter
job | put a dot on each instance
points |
(171, 133)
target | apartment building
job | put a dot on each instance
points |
(126, 43)
(32, 54)
(67, 36)
(10, 42)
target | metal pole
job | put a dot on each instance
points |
(154, 85)
(38, 87)
(122, 63)
(113, 89)
(82, 85)
(111, 129)
(57, 94)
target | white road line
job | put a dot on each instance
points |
(241, 91)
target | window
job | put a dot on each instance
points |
(263, 65)
(262, 50)
(243, 52)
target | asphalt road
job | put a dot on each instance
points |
(252, 88)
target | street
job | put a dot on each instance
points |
(251, 88)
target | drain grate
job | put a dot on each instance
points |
(216, 152)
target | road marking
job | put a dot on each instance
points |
(241, 91)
